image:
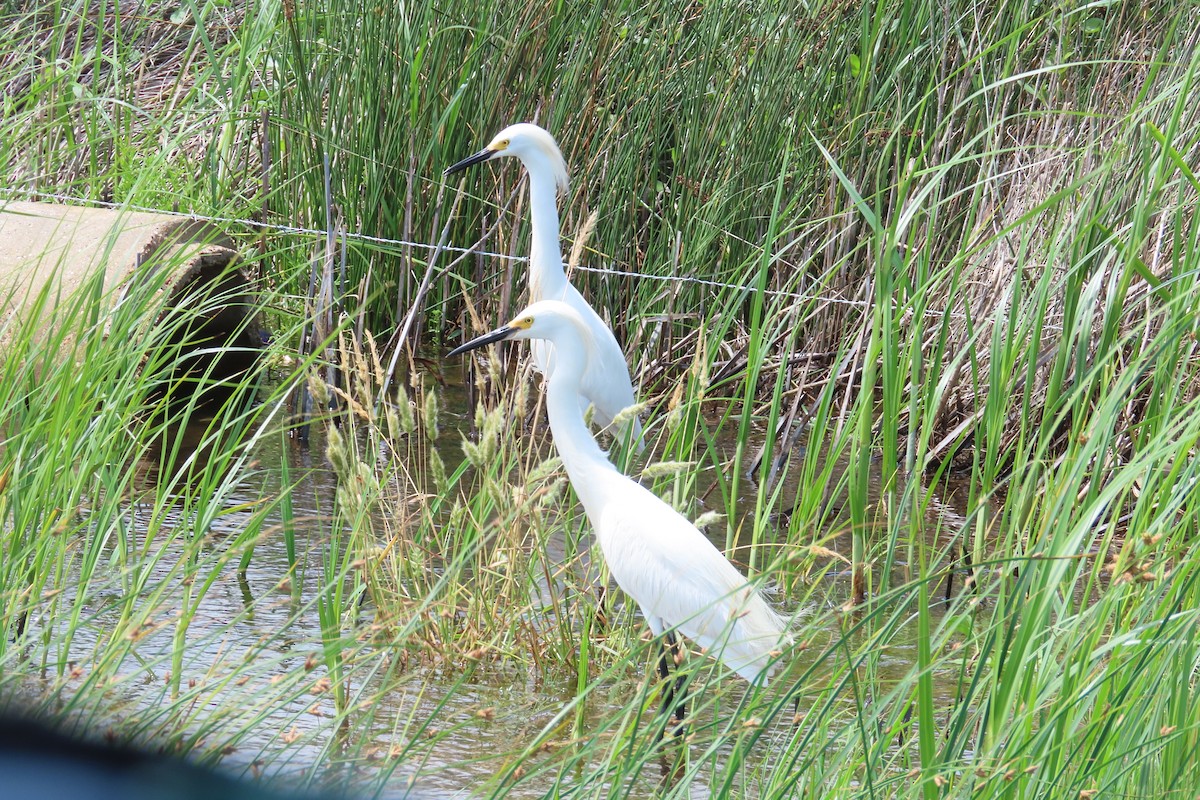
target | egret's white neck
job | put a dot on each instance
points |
(587, 465)
(547, 280)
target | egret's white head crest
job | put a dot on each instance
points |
(525, 141)
(545, 319)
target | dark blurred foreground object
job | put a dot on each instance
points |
(37, 762)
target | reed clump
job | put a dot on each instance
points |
(444, 547)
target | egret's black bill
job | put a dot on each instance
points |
(470, 161)
(479, 341)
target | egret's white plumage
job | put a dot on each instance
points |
(673, 572)
(606, 383)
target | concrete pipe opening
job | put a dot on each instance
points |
(184, 275)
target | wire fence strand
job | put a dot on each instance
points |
(295, 230)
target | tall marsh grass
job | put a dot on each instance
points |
(869, 249)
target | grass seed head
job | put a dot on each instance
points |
(318, 389)
(661, 469)
(404, 411)
(429, 414)
(437, 470)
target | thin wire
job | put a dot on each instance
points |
(253, 223)
(363, 237)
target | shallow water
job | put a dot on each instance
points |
(478, 717)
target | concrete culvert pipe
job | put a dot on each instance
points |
(205, 306)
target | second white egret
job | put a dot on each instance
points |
(676, 575)
(606, 383)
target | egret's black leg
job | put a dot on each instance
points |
(964, 562)
(672, 688)
(664, 674)
(950, 575)
(664, 667)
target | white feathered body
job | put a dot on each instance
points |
(680, 579)
(660, 559)
(606, 383)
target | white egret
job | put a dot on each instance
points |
(606, 383)
(674, 573)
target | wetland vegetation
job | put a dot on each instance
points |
(910, 293)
